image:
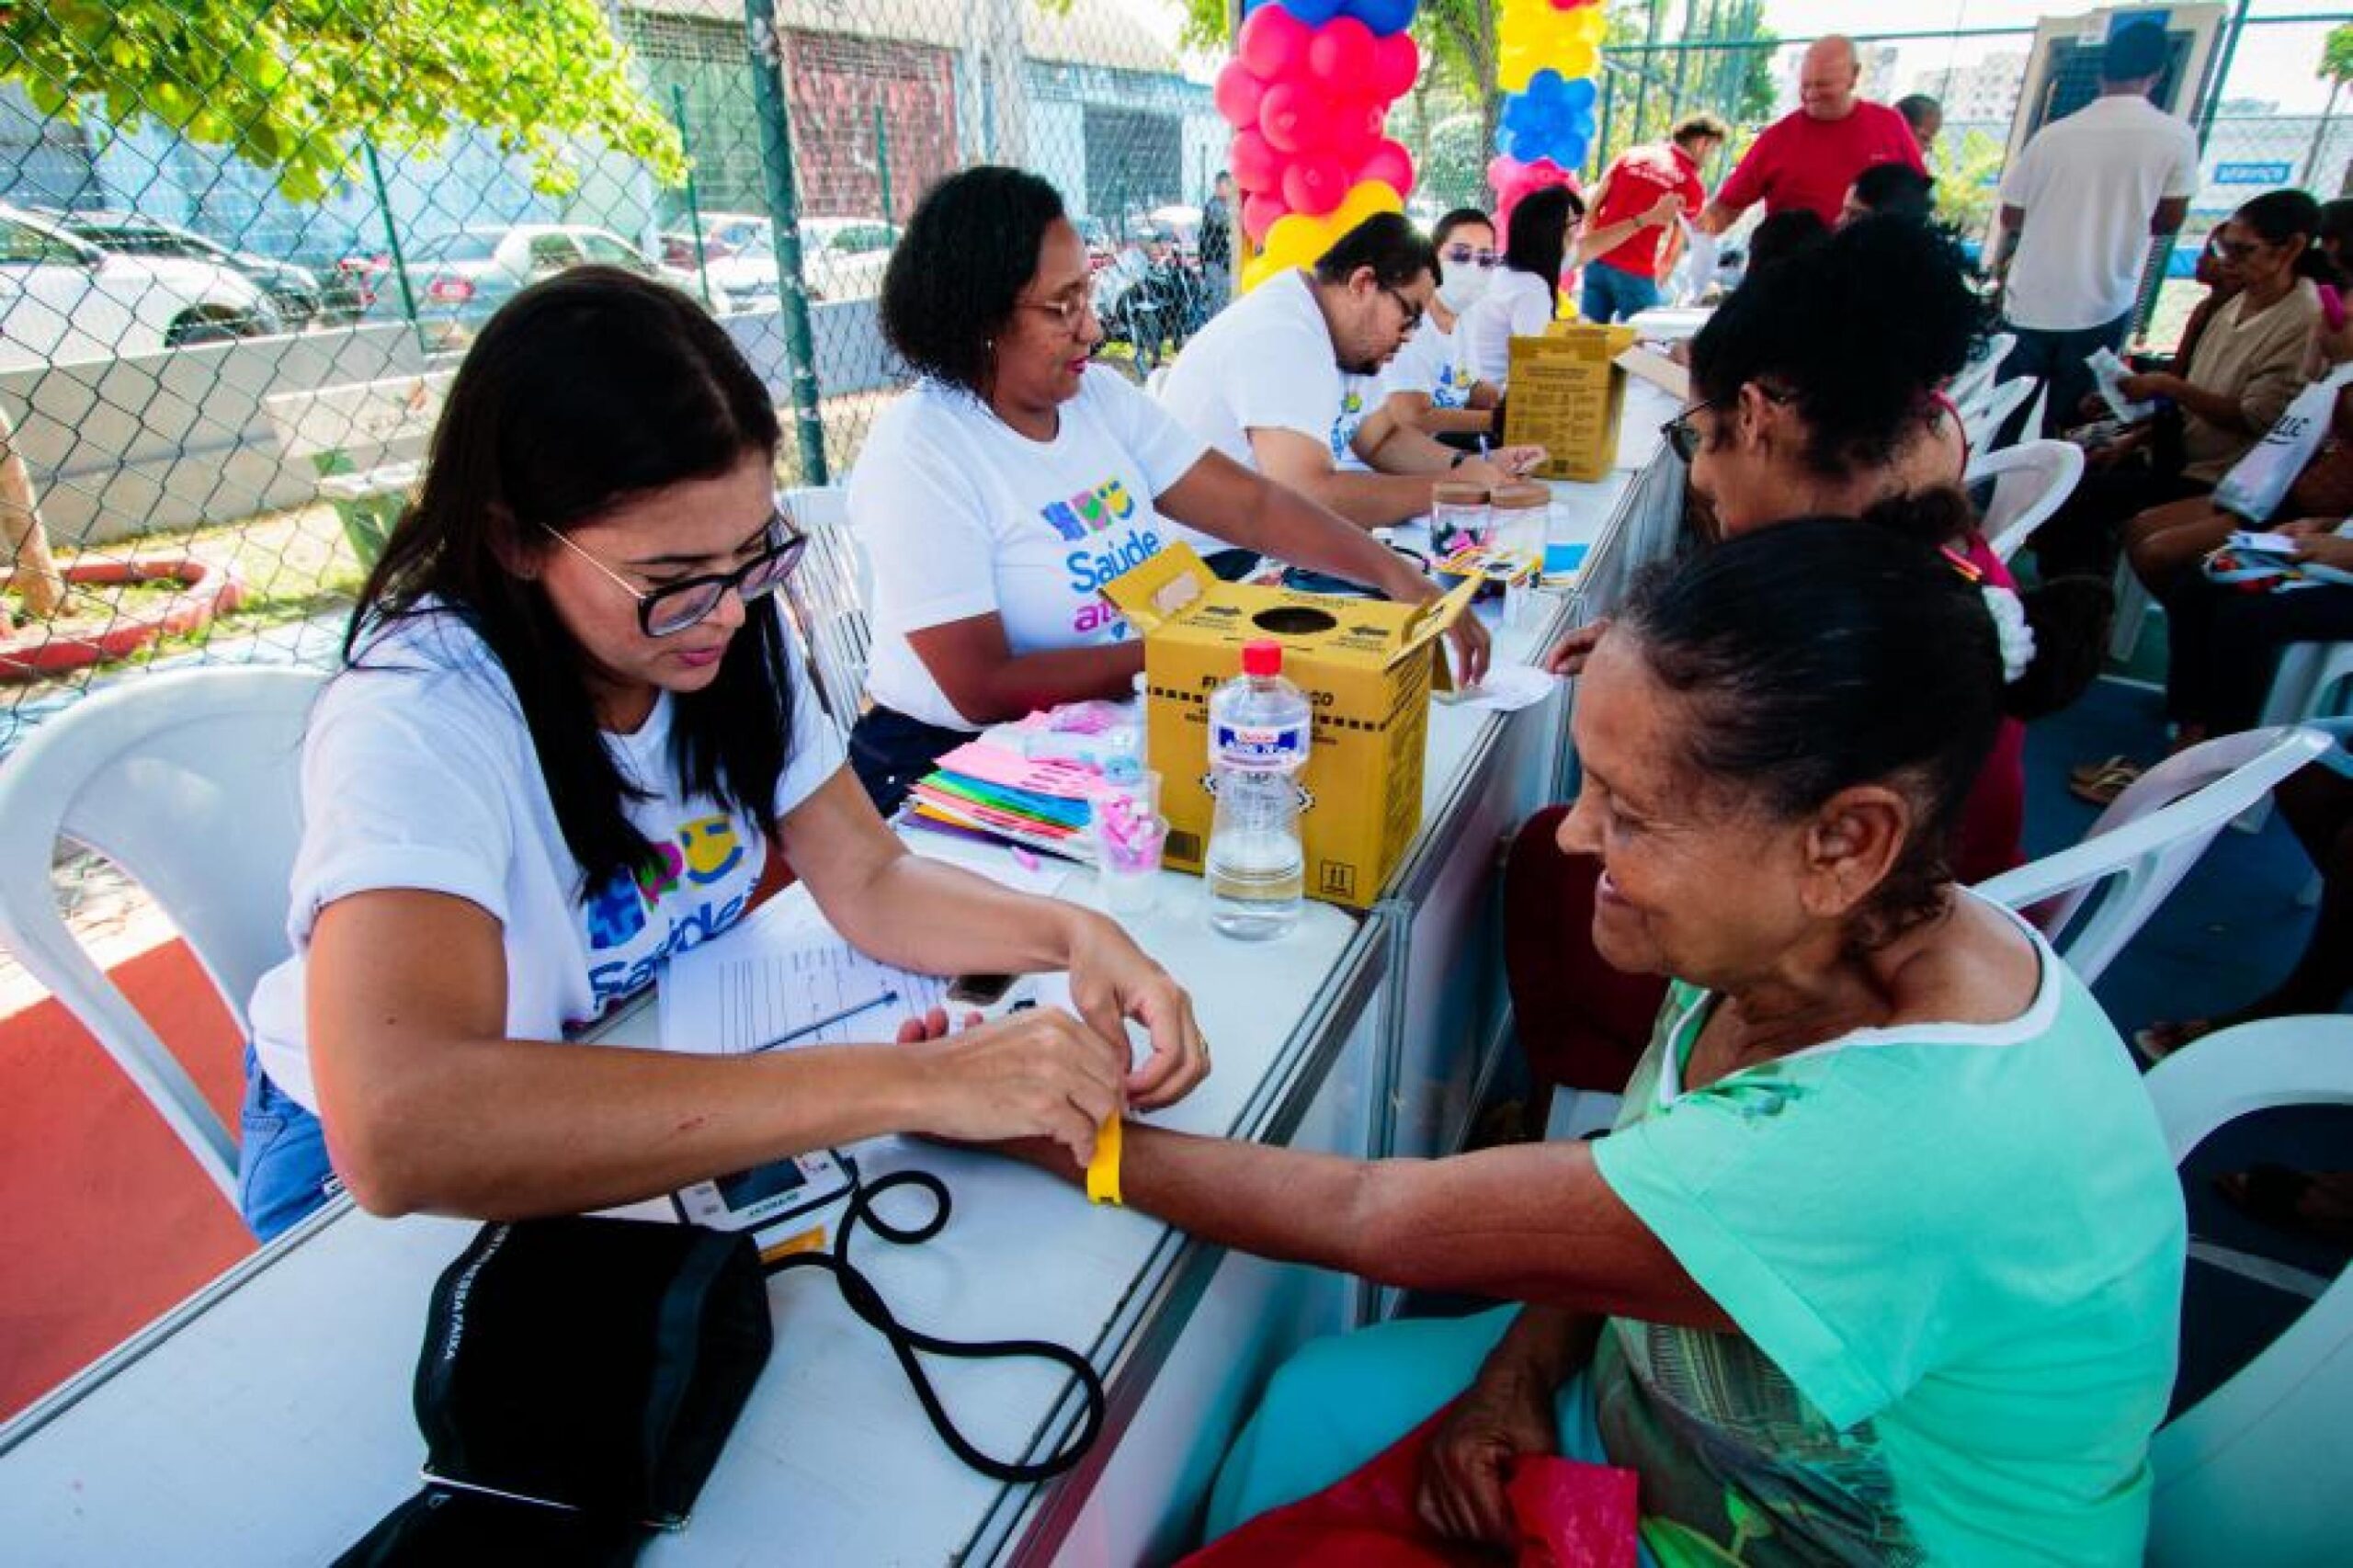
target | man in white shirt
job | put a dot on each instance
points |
(2079, 206)
(1262, 382)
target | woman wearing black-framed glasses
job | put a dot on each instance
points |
(572, 741)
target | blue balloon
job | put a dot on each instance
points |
(1578, 94)
(1383, 17)
(1314, 13)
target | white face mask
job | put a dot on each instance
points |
(1463, 287)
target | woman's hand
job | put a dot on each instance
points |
(1504, 1414)
(2326, 550)
(2150, 385)
(1036, 1073)
(2305, 528)
(1111, 981)
(1568, 655)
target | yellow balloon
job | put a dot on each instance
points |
(1589, 25)
(1301, 241)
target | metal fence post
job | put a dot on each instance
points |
(694, 204)
(392, 231)
(784, 215)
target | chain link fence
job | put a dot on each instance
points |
(217, 376)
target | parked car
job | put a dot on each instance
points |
(293, 290)
(841, 258)
(64, 300)
(459, 280)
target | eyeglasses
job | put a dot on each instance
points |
(1407, 308)
(1682, 435)
(673, 606)
(2233, 250)
(1463, 256)
(1068, 309)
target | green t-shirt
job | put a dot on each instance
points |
(1955, 1254)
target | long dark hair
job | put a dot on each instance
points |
(582, 392)
(1818, 654)
(1536, 237)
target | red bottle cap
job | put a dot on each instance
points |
(1262, 658)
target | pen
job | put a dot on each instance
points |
(828, 1021)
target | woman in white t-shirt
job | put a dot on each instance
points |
(1525, 294)
(1424, 386)
(998, 495)
(571, 742)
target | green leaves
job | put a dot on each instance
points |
(294, 84)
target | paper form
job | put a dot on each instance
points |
(782, 969)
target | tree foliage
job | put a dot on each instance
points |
(291, 86)
(2336, 56)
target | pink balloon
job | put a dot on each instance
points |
(1340, 55)
(1257, 166)
(1397, 62)
(1272, 43)
(1354, 127)
(1391, 165)
(1260, 213)
(1293, 117)
(1237, 96)
(1314, 183)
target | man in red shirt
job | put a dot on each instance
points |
(1810, 157)
(1633, 229)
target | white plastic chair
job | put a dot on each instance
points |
(2146, 840)
(190, 781)
(831, 594)
(2032, 480)
(1981, 423)
(2308, 682)
(1977, 378)
(1155, 382)
(2258, 1470)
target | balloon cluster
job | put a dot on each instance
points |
(1308, 92)
(1551, 52)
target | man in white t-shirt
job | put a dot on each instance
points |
(2079, 206)
(1263, 383)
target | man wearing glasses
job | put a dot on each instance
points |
(1263, 383)
(1633, 231)
(2079, 206)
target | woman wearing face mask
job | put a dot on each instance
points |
(1424, 386)
(1525, 292)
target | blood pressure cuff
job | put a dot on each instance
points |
(578, 1377)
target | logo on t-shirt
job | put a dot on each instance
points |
(1344, 428)
(686, 888)
(1090, 511)
(1450, 392)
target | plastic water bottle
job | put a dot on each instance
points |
(1259, 725)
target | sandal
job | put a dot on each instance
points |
(2161, 1039)
(2284, 1198)
(2102, 788)
(2087, 772)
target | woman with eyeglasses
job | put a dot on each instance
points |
(1425, 386)
(999, 495)
(1525, 292)
(2250, 362)
(570, 740)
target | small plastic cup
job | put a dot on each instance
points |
(1459, 517)
(1128, 843)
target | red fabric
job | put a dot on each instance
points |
(1570, 1516)
(1991, 837)
(1635, 182)
(1802, 162)
(1583, 1024)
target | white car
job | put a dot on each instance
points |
(841, 258)
(460, 279)
(64, 300)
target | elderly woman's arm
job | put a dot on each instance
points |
(1532, 1223)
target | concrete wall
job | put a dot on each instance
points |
(172, 440)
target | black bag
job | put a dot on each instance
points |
(580, 1375)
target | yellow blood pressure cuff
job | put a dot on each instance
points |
(1103, 1170)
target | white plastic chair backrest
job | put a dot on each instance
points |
(2032, 480)
(1977, 376)
(2309, 683)
(2146, 840)
(1981, 423)
(2259, 1470)
(831, 594)
(190, 781)
(1156, 381)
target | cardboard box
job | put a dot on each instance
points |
(1567, 392)
(1368, 666)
